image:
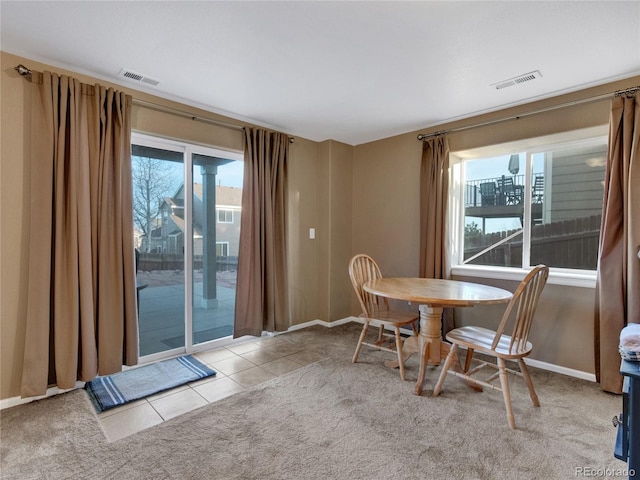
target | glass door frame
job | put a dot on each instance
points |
(187, 149)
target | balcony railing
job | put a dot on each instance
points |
(503, 190)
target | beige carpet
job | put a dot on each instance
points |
(329, 420)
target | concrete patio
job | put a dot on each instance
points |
(161, 314)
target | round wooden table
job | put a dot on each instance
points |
(433, 295)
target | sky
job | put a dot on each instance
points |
(229, 175)
(497, 166)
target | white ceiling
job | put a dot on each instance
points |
(353, 71)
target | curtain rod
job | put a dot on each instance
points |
(628, 92)
(26, 72)
(182, 113)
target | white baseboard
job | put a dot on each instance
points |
(562, 370)
(13, 401)
(534, 363)
(342, 321)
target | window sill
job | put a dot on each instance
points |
(570, 278)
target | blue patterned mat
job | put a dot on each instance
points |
(124, 387)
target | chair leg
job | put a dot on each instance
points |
(527, 379)
(380, 334)
(445, 369)
(365, 327)
(415, 329)
(504, 383)
(399, 349)
(467, 359)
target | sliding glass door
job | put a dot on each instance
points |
(158, 178)
(187, 206)
(216, 232)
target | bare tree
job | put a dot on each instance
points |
(153, 180)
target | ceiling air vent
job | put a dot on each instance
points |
(526, 77)
(137, 77)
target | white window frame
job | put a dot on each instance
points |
(226, 212)
(224, 247)
(456, 217)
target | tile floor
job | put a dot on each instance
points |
(239, 366)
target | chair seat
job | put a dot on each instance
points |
(392, 317)
(480, 339)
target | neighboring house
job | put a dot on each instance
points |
(168, 237)
(575, 184)
(228, 208)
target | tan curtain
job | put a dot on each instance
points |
(618, 276)
(261, 296)
(434, 197)
(81, 315)
(434, 191)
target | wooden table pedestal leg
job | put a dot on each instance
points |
(429, 341)
(429, 344)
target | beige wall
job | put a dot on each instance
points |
(359, 199)
(337, 209)
(332, 224)
(303, 258)
(304, 263)
(385, 216)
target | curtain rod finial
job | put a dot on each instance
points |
(422, 136)
(22, 70)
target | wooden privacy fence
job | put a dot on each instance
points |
(149, 262)
(563, 244)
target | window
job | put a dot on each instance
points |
(225, 216)
(520, 205)
(222, 249)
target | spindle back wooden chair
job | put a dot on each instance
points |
(500, 345)
(375, 309)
